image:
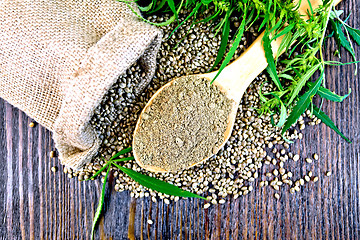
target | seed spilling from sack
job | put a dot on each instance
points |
(184, 125)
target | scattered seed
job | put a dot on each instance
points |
(31, 124)
(300, 136)
(328, 174)
(207, 205)
(54, 169)
(302, 181)
(308, 160)
(52, 154)
(316, 156)
(315, 179)
(277, 196)
(296, 157)
(150, 222)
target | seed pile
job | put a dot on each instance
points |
(254, 142)
(185, 124)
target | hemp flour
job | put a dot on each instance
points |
(185, 124)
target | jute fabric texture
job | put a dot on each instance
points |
(58, 58)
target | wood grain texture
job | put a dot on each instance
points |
(38, 204)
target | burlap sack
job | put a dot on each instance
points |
(59, 57)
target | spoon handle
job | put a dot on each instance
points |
(237, 76)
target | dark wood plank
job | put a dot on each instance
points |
(38, 204)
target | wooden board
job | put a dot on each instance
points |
(38, 204)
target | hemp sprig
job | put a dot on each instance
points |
(300, 68)
(144, 180)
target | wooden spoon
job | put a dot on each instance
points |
(233, 81)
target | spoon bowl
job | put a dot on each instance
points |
(230, 123)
